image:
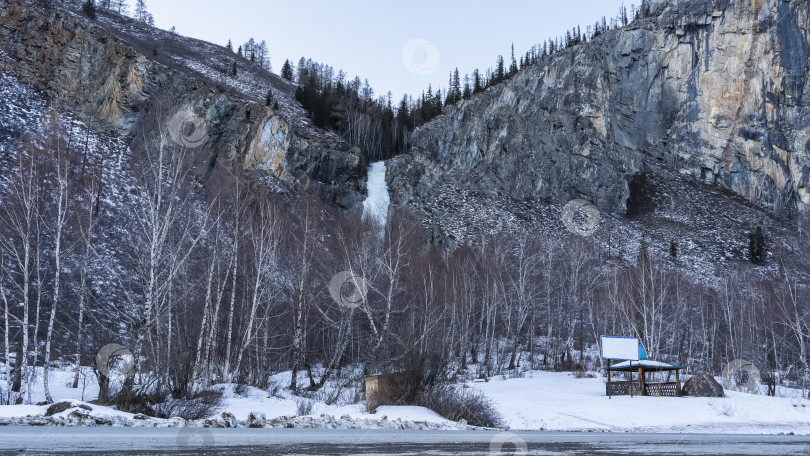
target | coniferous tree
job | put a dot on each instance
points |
(449, 98)
(141, 14)
(264, 56)
(500, 71)
(234, 70)
(478, 87)
(269, 98)
(757, 247)
(456, 87)
(287, 71)
(303, 71)
(454, 92)
(644, 9)
(467, 94)
(89, 9)
(229, 46)
(513, 68)
(673, 249)
(250, 49)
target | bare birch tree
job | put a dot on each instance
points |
(19, 215)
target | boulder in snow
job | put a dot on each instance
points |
(60, 407)
(702, 386)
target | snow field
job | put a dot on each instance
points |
(549, 401)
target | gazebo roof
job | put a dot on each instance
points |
(646, 364)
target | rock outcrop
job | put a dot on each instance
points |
(128, 79)
(709, 90)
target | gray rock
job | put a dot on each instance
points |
(228, 420)
(256, 420)
(60, 407)
(702, 386)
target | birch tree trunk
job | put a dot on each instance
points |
(300, 304)
(6, 317)
(19, 214)
(62, 165)
(87, 239)
(265, 241)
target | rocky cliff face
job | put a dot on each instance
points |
(127, 79)
(709, 90)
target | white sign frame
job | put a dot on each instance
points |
(619, 348)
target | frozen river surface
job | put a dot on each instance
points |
(194, 441)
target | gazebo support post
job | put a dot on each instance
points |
(630, 385)
(678, 381)
(641, 377)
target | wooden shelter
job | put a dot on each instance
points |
(642, 387)
(398, 388)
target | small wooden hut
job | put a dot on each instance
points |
(398, 388)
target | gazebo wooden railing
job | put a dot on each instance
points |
(668, 389)
(622, 388)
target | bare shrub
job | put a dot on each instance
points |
(127, 400)
(242, 390)
(723, 408)
(303, 406)
(194, 406)
(274, 389)
(332, 393)
(458, 404)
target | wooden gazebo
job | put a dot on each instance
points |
(643, 387)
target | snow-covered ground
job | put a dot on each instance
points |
(562, 402)
(538, 400)
(244, 407)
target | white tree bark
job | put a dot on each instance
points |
(20, 214)
(62, 199)
(6, 318)
(265, 241)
